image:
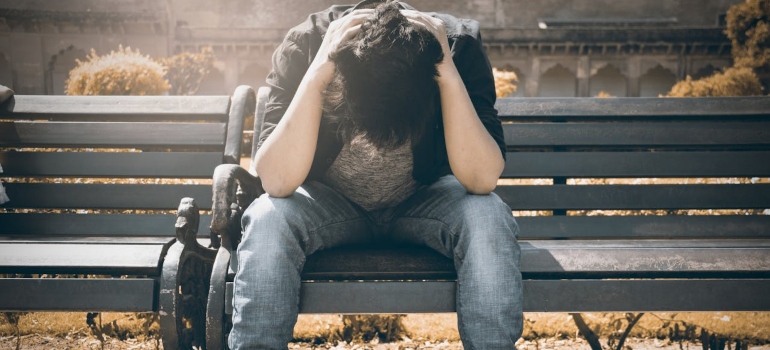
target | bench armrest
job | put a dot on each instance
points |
(234, 189)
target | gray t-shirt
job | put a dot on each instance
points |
(373, 178)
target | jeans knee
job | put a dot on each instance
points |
(487, 228)
(268, 223)
(486, 213)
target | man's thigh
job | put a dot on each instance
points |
(435, 214)
(315, 215)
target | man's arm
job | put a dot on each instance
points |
(284, 159)
(474, 156)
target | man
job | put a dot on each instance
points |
(380, 125)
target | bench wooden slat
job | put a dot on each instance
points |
(93, 164)
(670, 226)
(112, 259)
(26, 106)
(630, 197)
(51, 239)
(646, 259)
(633, 106)
(111, 225)
(99, 134)
(539, 296)
(48, 294)
(104, 196)
(557, 259)
(636, 164)
(639, 134)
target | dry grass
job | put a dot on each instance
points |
(73, 324)
(753, 326)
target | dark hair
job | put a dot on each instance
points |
(385, 86)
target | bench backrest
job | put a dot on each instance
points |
(126, 161)
(633, 169)
(637, 151)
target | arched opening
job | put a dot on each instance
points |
(609, 80)
(657, 81)
(706, 71)
(59, 68)
(213, 83)
(558, 81)
(253, 75)
(6, 76)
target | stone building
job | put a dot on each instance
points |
(556, 47)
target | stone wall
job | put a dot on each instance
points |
(634, 48)
(271, 14)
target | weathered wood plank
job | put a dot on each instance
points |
(558, 259)
(592, 134)
(671, 226)
(104, 196)
(123, 134)
(634, 106)
(93, 164)
(113, 259)
(645, 259)
(630, 197)
(636, 164)
(539, 296)
(93, 294)
(110, 225)
(107, 107)
(114, 240)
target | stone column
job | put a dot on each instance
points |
(231, 72)
(533, 78)
(634, 74)
(583, 76)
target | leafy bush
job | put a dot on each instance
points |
(733, 82)
(122, 72)
(186, 70)
(748, 27)
(604, 94)
(505, 82)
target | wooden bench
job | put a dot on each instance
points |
(94, 183)
(585, 247)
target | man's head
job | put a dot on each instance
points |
(385, 84)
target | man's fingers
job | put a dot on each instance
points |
(353, 19)
(422, 17)
(351, 32)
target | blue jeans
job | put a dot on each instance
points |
(478, 232)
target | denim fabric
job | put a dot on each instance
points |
(478, 232)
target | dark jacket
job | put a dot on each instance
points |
(293, 57)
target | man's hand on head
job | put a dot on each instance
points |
(340, 31)
(433, 25)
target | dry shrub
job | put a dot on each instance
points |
(122, 72)
(186, 70)
(320, 329)
(748, 27)
(733, 82)
(604, 94)
(505, 82)
(386, 328)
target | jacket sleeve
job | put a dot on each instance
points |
(290, 63)
(473, 65)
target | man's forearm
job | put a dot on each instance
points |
(474, 156)
(283, 162)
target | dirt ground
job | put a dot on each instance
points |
(38, 342)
